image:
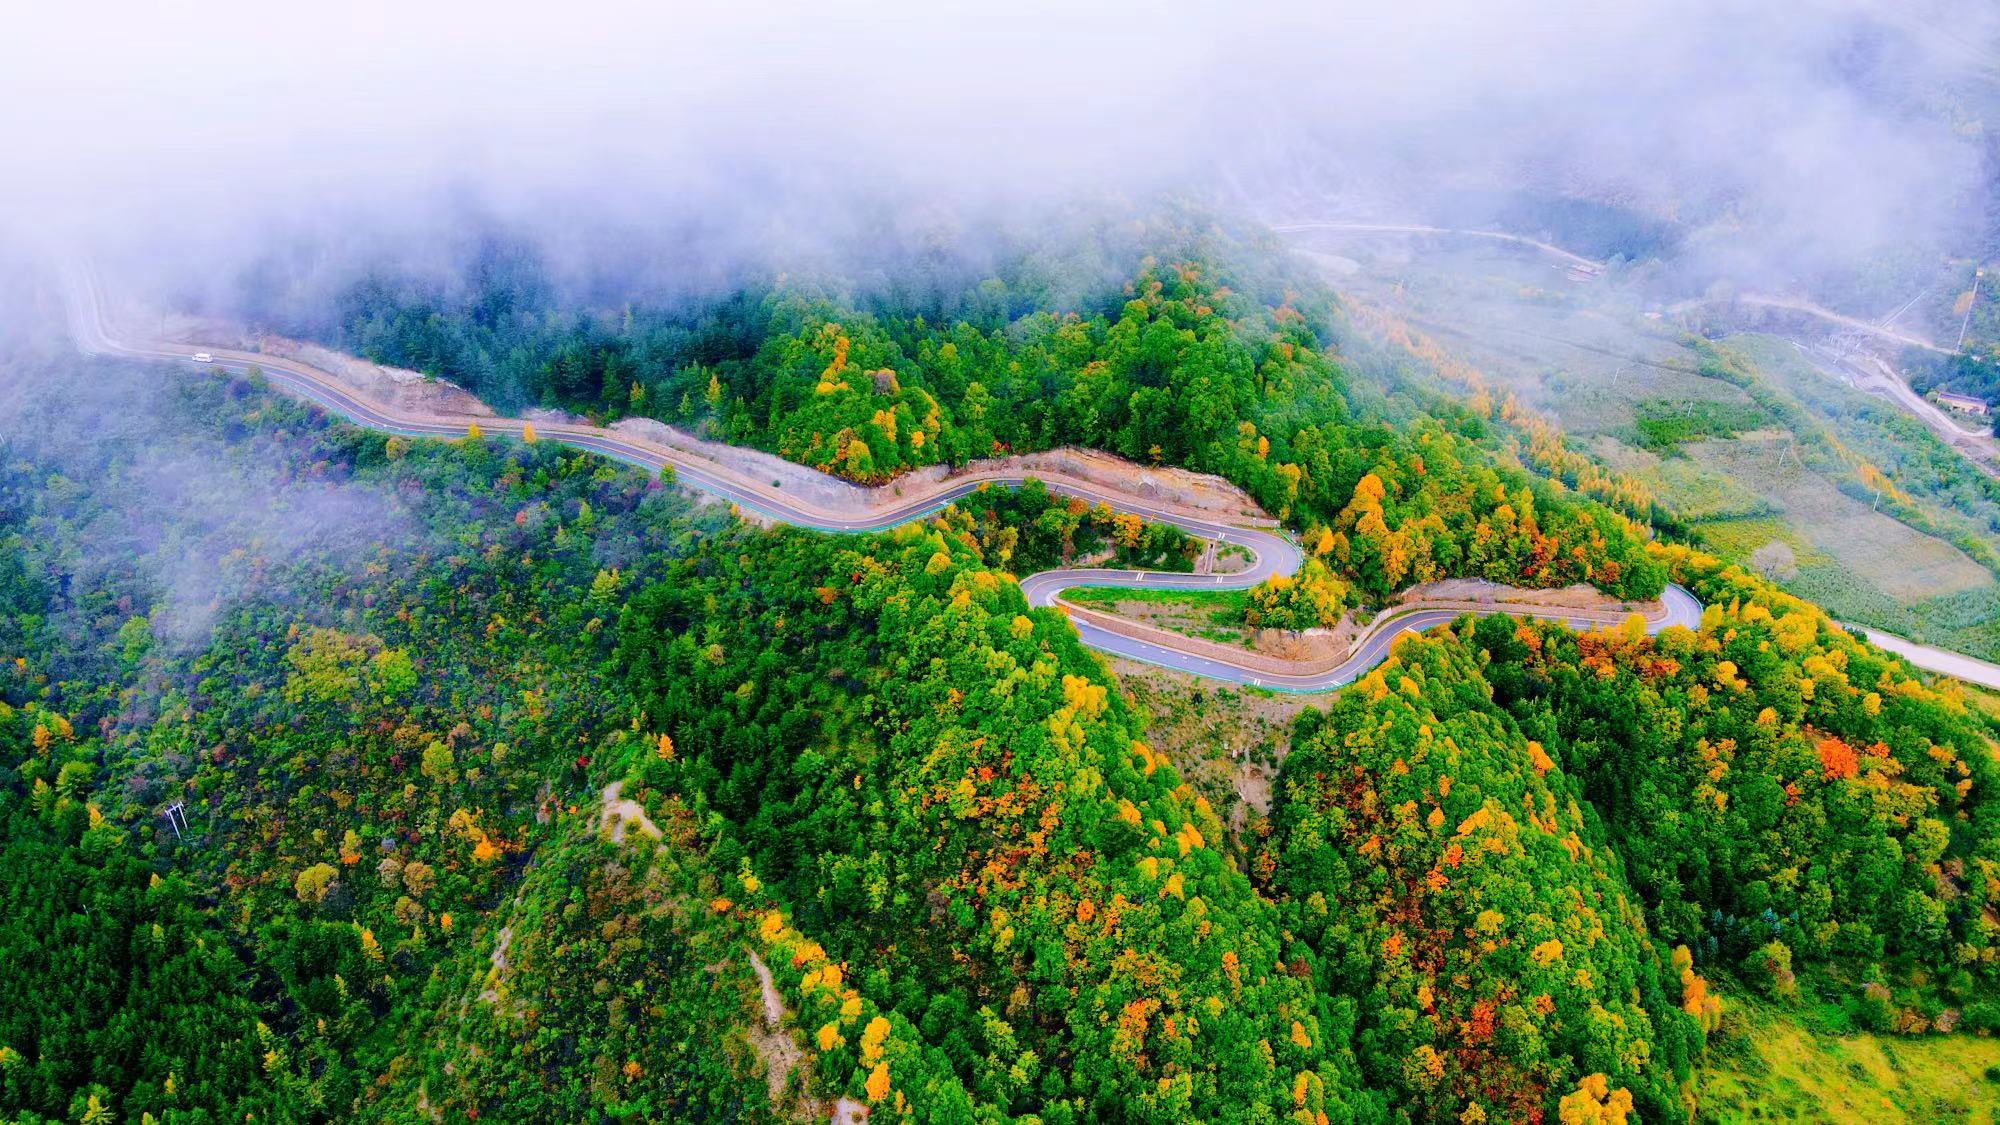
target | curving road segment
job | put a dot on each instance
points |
(1272, 552)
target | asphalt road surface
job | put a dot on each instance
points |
(1272, 552)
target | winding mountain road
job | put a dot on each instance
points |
(1311, 226)
(1982, 451)
(1272, 551)
(1881, 330)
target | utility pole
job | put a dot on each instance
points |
(177, 810)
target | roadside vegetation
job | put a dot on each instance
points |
(1665, 425)
(1206, 355)
(1773, 1063)
(1740, 442)
(1212, 615)
(1921, 585)
(1505, 876)
(1028, 529)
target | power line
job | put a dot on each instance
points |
(1963, 324)
(1903, 308)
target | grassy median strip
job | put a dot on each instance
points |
(1212, 615)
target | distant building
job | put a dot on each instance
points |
(1964, 403)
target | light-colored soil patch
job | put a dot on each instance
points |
(403, 389)
(498, 962)
(1203, 492)
(620, 813)
(406, 390)
(773, 1043)
(1479, 590)
(1227, 742)
(774, 1004)
(552, 416)
(1253, 787)
(1313, 646)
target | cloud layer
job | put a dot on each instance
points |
(1784, 137)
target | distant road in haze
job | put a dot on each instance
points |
(1982, 451)
(1870, 374)
(1415, 228)
(1842, 320)
(1570, 257)
(1271, 551)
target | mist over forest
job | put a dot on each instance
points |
(1350, 564)
(1767, 147)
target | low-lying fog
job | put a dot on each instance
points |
(1773, 144)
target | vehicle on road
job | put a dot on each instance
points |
(203, 357)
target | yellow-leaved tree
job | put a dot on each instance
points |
(872, 1039)
(1595, 1103)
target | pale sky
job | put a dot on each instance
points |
(140, 121)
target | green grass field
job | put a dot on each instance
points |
(1664, 425)
(1617, 381)
(1769, 1064)
(1901, 562)
(1213, 615)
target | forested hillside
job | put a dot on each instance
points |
(372, 746)
(1532, 849)
(1208, 355)
(509, 772)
